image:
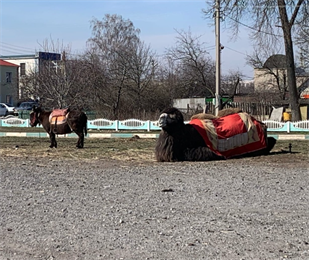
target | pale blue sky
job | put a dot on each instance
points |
(26, 24)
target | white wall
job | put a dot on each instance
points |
(31, 63)
(193, 103)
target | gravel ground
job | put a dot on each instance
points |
(250, 208)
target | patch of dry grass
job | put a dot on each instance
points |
(124, 149)
(95, 149)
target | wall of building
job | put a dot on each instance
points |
(264, 80)
(30, 61)
(8, 90)
(32, 64)
(189, 103)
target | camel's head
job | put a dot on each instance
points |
(170, 119)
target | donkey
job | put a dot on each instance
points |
(60, 121)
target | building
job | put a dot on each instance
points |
(272, 78)
(8, 82)
(189, 104)
(270, 84)
(30, 64)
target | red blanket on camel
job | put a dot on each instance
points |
(231, 135)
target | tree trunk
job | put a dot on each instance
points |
(289, 55)
(291, 79)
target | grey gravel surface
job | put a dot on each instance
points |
(232, 209)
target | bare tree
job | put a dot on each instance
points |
(302, 41)
(271, 22)
(196, 68)
(230, 85)
(98, 82)
(168, 77)
(57, 82)
(127, 67)
(141, 67)
(112, 43)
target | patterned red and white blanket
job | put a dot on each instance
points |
(231, 135)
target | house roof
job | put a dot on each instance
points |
(8, 64)
(14, 57)
(277, 61)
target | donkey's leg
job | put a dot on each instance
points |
(80, 141)
(77, 129)
(53, 142)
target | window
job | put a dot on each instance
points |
(22, 69)
(8, 77)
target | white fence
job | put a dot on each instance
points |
(276, 126)
(136, 124)
(98, 124)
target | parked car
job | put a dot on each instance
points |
(7, 109)
(26, 106)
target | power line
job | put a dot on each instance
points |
(10, 52)
(210, 47)
(252, 28)
(14, 49)
(236, 51)
(16, 46)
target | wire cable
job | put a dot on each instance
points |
(236, 51)
(252, 28)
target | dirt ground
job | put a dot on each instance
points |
(111, 200)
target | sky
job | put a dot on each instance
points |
(26, 24)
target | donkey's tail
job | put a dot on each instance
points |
(85, 122)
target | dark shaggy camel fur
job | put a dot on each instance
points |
(76, 122)
(182, 142)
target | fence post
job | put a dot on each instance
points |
(117, 125)
(148, 125)
(288, 126)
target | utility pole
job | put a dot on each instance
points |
(218, 57)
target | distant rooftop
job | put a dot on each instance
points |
(12, 57)
(38, 55)
(5, 63)
(275, 61)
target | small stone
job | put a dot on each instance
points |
(167, 190)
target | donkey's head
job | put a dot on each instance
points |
(35, 115)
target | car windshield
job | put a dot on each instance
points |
(9, 105)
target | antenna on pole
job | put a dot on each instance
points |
(218, 58)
